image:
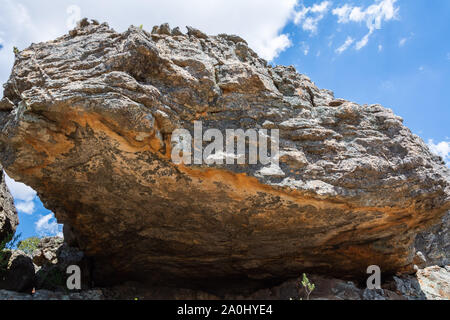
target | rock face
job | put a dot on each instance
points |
(51, 259)
(431, 283)
(87, 120)
(434, 243)
(8, 213)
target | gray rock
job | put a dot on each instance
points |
(435, 282)
(434, 243)
(8, 214)
(431, 283)
(91, 129)
(51, 259)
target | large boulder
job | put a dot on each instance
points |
(88, 119)
(8, 214)
(16, 271)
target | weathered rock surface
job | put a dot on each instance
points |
(8, 213)
(18, 272)
(434, 243)
(86, 120)
(431, 283)
(435, 282)
(51, 259)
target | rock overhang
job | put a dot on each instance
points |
(86, 120)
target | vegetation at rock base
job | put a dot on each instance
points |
(29, 245)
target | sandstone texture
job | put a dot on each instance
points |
(87, 120)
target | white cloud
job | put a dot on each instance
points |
(402, 42)
(380, 48)
(25, 207)
(373, 16)
(309, 17)
(272, 48)
(305, 48)
(441, 149)
(48, 226)
(74, 15)
(348, 42)
(363, 42)
(23, 195)
(19, 190)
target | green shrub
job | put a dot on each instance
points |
(29, 245)
(307, 285)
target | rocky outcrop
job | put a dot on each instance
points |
(87, 120)
(8, 213)
(434, 244)
(51, 259)
(45, 269)
(16, 268)
(16, 271)
(427, 284)
(431, 283)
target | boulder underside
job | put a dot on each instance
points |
(87, 119)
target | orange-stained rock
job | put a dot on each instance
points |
(86, 120)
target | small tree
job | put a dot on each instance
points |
(307, 285)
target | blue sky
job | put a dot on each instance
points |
(392, 52)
